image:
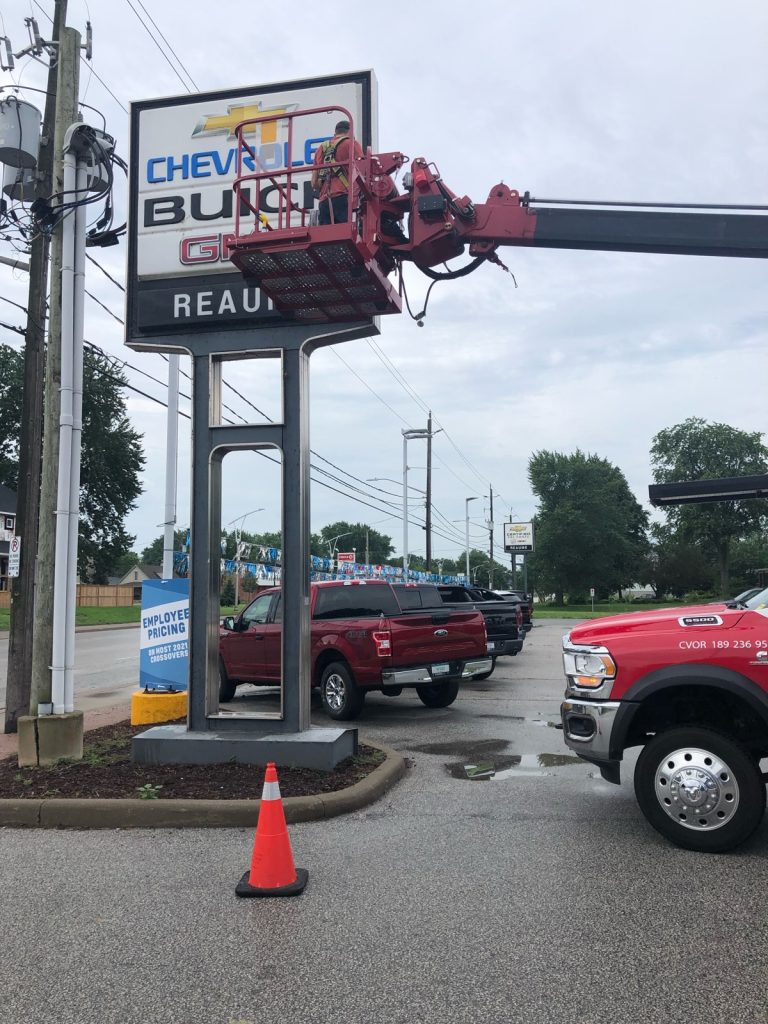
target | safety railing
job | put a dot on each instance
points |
(265, 196)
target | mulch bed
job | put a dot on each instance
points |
(107, 771)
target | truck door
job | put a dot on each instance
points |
(272, 671)
(246, 646)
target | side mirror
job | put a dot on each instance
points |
(229, 623)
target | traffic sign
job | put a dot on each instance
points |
(591, 591)
(14, 556)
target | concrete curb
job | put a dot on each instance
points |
(83, 813)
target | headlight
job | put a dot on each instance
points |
(588, 667)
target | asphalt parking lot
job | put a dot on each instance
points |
(540, 895)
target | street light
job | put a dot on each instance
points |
(407, 436)
(238, 533)
(466, 525)
(333, 547)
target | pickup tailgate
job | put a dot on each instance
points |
(422, 637)
(500, 619)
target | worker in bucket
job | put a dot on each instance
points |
(331, 183)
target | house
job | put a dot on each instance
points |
(7, 530)
(136, 576)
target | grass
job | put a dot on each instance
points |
(90, 616)
(104, 616)
(584, 611)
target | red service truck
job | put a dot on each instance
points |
(360, 641)
(690, 686)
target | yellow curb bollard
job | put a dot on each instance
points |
(156, 706)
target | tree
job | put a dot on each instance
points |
(590, 528)
(125, 563)
(11, 394)
(697, 450)
(675, 566)
(748, 555)
(352, 536)
(153, 553)
(112, 458)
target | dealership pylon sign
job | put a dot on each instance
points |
(182, 206)
(518, 537)
(184, 295)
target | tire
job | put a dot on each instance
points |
(700, 789)
(340, 695)
(227, 686)
(440, 695)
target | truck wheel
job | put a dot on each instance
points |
(341, 698)
(700, 789)
(227, 686)
(441, 695)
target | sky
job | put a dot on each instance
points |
(597, 351)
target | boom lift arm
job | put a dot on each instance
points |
(341, 271)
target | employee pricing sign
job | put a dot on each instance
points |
(518, 537)
(164, 660)
(184, 154)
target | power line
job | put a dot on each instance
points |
(162, 51)
(178, 59)
(89, 64)
(106, 273)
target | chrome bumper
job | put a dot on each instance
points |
(419, 676)
(475, 668)
(587, 727)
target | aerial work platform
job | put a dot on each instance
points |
(313, 273)
(316, 274)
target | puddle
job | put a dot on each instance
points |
(503, 767)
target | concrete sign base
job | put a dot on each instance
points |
(310, 748)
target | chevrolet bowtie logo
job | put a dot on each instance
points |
(225, 124)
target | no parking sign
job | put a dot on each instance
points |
(14, 556)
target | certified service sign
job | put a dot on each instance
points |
(182, 206)
(164, 635)
(518, 537)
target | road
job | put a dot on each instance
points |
(106, 667)
(539, 897)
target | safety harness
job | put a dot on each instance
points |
(329, 155)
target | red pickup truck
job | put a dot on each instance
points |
(360, 641)
(689, 685)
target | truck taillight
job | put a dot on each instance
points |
(383, 640)
(519, 616)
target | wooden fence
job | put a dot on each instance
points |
(93, 596)
(90, 596)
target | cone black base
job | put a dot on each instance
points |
(243, 888)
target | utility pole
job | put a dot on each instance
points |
(31, 440)
(490, 544)
(68, 69)
(428, 516)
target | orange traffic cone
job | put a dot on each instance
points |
(272, 869)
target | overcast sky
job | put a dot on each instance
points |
(604, 100)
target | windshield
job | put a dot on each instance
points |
(759, 600)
